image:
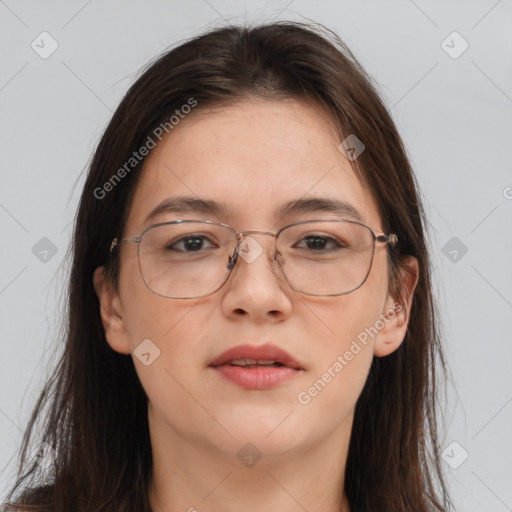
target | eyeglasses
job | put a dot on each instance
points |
(188, 259)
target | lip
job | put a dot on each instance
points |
(257, 378)
(261, 352)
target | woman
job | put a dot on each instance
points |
(251, 320)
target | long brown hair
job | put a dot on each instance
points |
(96, 417)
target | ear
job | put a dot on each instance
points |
(111, 313)
(395, 316)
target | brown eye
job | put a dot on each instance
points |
(190, 244)
(320, 243)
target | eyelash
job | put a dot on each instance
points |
(326, 238)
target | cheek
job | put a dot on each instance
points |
(145, 314)
(170, 330)
(171, 336)
(341, 367)
(344, 331)
(175, 327)
(336, 322)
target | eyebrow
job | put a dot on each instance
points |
(190, 204)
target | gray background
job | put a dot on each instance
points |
(454, 115)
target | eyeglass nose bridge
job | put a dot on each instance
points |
(240, 238)
(244, 234)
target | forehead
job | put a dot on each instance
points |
(252, 157)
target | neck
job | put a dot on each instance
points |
(190, 475)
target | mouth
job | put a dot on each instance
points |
(254, 363)
(256, 366)
(247, 355)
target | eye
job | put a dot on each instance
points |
(318, 243)
(190, 243)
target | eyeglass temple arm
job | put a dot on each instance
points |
(116, 241)
(390, 239)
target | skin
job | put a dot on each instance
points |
(254, 155)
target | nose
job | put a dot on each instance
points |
(255, 288)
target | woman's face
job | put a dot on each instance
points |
(253, 157)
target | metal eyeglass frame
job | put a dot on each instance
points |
(390, 239)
